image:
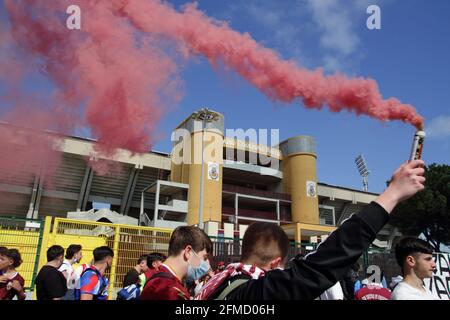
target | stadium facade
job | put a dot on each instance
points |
(237, 180)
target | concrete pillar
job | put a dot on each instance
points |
(212, 178)
(175, 172)
(300, 173)
(298, 234)
(191, 168)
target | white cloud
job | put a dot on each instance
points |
(280, 21)
(439, 127)
(335, 23)
(338, 23)
(290, 26)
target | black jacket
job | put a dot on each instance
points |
(309, 277)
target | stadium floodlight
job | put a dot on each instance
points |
(204, 115)
(363, 171)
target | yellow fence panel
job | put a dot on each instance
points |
(134, 242)
(26, 242)
(67, 233)
(16, 233)
(127, 242)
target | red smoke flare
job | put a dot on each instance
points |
(118, 72)
(280, 80)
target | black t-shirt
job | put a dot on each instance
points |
(132, 277)
(50, 283)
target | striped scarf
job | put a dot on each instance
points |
(230, 271)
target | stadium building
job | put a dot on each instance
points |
(234, 183)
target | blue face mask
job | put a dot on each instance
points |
(198, 272)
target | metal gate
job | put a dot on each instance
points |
(26, 236)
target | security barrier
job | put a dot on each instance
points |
(33, 237)
(128, 243)
(26, 236)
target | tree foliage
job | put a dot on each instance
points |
(428, 211)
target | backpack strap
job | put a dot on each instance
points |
(231, 287)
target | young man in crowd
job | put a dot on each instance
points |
(132, 277)
(73, 255)
(189, 248)
(93, 283)
(414, 256)
(50, 283)
(154, 261)
(77, 277)
(265, 246)
(11, 282)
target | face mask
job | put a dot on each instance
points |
(196, 273)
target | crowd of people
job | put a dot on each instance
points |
(263, 272)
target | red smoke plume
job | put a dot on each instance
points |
(119, 72)
(280, 80)
(107, 76)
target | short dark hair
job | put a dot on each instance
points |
(155, 256)
(189, 235)
(259, 240)
(407, 246)
(3, 251)
(142, 258)
(54, 252)
(72, 249)
(101, 253)
(15, 256)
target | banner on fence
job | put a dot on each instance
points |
(439, 284)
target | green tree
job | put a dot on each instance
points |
(428, 211)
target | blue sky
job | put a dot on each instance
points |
(409, 58)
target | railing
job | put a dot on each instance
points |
(229, 250)
(26, 236)
(128, 243)
(255, 192)
(243, 213)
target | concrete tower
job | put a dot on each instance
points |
(300, 178)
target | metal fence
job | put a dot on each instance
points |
(33, 237)
(128, 243)
(228, 250)
(25, 235)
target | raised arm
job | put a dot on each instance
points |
(309, 277)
